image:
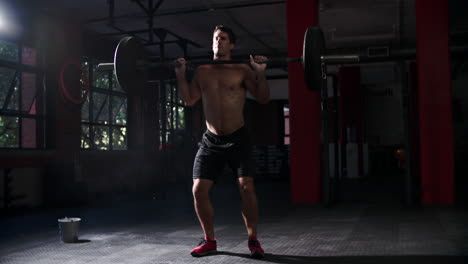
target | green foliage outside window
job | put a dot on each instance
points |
(9, 89)
(9, 51)
(9, 132)
(119, 137)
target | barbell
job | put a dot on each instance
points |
(131, 63)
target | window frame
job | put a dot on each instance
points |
(39, 117)
(93, 121)
(171, 117)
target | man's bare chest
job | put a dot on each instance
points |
(221, 79)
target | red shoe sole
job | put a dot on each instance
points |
(257, 255)
(195, 254)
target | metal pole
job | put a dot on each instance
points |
(340, 59)
(111, 12)
(405, 98)
(109, 114)
(162, 103)
(150, 21)
(326, 196)
(336, 149)
(172, 103)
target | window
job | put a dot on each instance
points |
(21, 97)
(172, 115)
(286, 124)
(104, 113)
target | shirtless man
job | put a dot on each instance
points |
(223, 89)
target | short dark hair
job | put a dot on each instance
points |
(228, 30)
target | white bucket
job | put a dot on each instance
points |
(68, 229)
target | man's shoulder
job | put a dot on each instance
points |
(202, 70)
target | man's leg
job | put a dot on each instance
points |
(250, 214)
(249, 205)
(203, 208)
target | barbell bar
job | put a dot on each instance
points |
(110, 66)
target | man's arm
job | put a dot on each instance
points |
(256, 82)
(189, 92)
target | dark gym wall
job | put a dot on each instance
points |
(460, 121)
(264, 122)
(98, 48)
(72, 175)
(137, 168)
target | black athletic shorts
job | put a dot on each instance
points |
(217, 151)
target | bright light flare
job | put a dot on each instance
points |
(8, 25)
(2, 22)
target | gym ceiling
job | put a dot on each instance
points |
(260, 25)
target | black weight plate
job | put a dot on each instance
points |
(313, 49)
(129, 71)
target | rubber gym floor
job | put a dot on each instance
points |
(157, 228)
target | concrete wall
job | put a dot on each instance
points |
(383, 108)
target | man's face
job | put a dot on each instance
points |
(221, 44)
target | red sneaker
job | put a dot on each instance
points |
(204, 248)
(256, 250)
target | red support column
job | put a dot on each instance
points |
(304, 108)
(434, 102)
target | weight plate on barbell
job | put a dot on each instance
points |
(128, 58)
(312, 51)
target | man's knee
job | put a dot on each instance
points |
(201, 189)
(246, 187)
(199, 194)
